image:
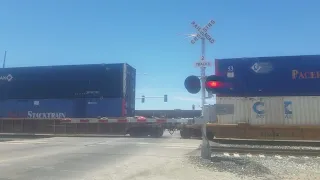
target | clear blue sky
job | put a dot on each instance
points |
(149, 35)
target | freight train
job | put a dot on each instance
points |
(272, 98)
(91, 98)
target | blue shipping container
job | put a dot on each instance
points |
(272, 76)
(130, 97)
(36, 108)
(105, 107)
(54, 108)
(64, 82)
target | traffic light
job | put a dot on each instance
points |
(143, 99)
(217, 84)
(193, 107)
(192, 84)
(165, 98)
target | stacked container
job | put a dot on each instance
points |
(80, 91)
(272, 90)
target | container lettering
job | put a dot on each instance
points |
(46, 115)
(305, 75)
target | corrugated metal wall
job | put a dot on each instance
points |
(302, 110)
(63, 82)
(73, 108)
(266, 110)
(130, 97)
(209, 114)
(241, 110)
(272, 76)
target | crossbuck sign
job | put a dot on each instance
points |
(202, 32)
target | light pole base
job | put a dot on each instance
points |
(205, 146)
(205, 150)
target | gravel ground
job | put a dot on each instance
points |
(192, 167)
(162, 167)
(268, 168)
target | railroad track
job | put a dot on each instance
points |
(267, 142)
(269, 151)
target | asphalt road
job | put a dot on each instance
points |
(124, 158)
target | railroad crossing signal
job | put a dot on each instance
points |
(192, 84)
(218, 84)
(202, 32)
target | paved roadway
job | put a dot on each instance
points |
(124, 158)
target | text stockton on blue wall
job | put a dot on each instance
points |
(272, 76)
(57, 108)
(59, 82)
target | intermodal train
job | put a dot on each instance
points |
(89, 98)
(272, 98)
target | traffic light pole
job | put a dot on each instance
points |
(165, 98)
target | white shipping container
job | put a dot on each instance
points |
(266, 110)
(209, 114)
(288, 110)
(304, 110)
(241, 108)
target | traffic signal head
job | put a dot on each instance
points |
(165, 98)
(217, 84)
(213, 84)
(192, 84)
(143, 99)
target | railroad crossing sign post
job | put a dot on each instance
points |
(203, 35)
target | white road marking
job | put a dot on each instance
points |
(25, 142)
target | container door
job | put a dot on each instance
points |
(80, 106)
(130, 88)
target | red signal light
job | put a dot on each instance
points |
(213, 84)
